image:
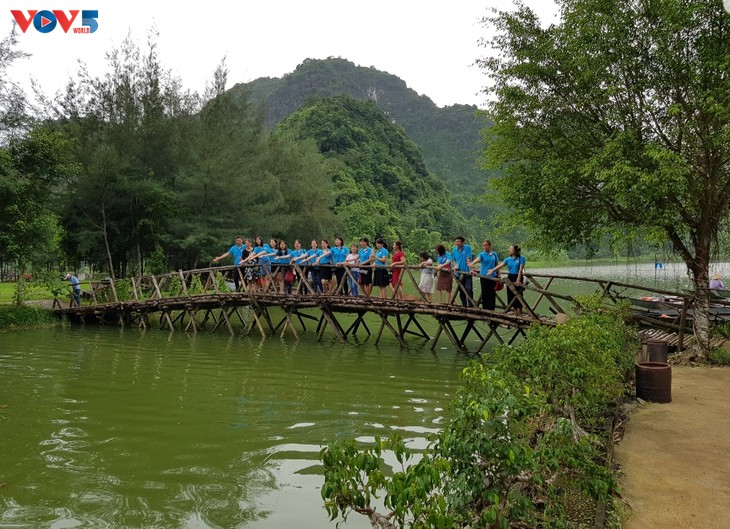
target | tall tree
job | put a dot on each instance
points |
(31, 169)
(617, 118)
(13, 115)
(127, 124)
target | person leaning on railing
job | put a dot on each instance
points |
(515, 264)
(489, 259)
(444, 282)
(236, 251)
(76, 287)
(397, 264)
(366, 258)
(462, 256)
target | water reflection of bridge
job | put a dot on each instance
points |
(197, 300)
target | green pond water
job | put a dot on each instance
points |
(102, 427)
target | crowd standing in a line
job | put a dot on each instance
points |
(324, 267)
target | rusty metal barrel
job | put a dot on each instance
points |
(654, 381)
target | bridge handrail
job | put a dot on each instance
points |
(612, 283)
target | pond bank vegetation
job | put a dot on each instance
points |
(525, 445)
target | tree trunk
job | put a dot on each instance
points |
(106, 244)
(19, 296)
(699, 268)
(701, 319)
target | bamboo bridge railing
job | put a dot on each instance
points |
(201, 299)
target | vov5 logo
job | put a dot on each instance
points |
(46, 20)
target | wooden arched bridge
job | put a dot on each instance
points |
(205, 299)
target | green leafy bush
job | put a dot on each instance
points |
(124, 289)
(720, 356)
(521, 442)
(172, 287)
(25, 316)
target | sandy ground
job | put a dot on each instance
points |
(675, 457)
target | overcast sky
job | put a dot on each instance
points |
(430, 45)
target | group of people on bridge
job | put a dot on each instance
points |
(270, 265)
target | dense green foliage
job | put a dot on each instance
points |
(519, 446)
(130, 163)
(616, 120)
(381, 184)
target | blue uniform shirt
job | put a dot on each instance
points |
(236, 252)
(443, 259)
(263, 249)
(365, 254)
(383, 252)
(461, 257)
(339, 254)
(316, 253)
(325, 259)
(488, 261)
(513, 264)
(281, 259)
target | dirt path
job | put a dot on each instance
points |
(675, 457)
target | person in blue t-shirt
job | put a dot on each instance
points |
(380, 275)
(489, 259)
(297, 254)
(261, 252)
(444, 280)
(515, 264)
(235, 251)
(367, 256)
(314, 271)
(76, 286)
(325, 271)
(339, 254)
(280, 262)
(462, 255)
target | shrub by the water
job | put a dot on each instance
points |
(25, 316)
(522, 447)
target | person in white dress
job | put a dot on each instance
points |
(426, 283)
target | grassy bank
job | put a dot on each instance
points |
(13, 316)
(32, 291)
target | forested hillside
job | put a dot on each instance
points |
(449, 137)
(381, 184)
